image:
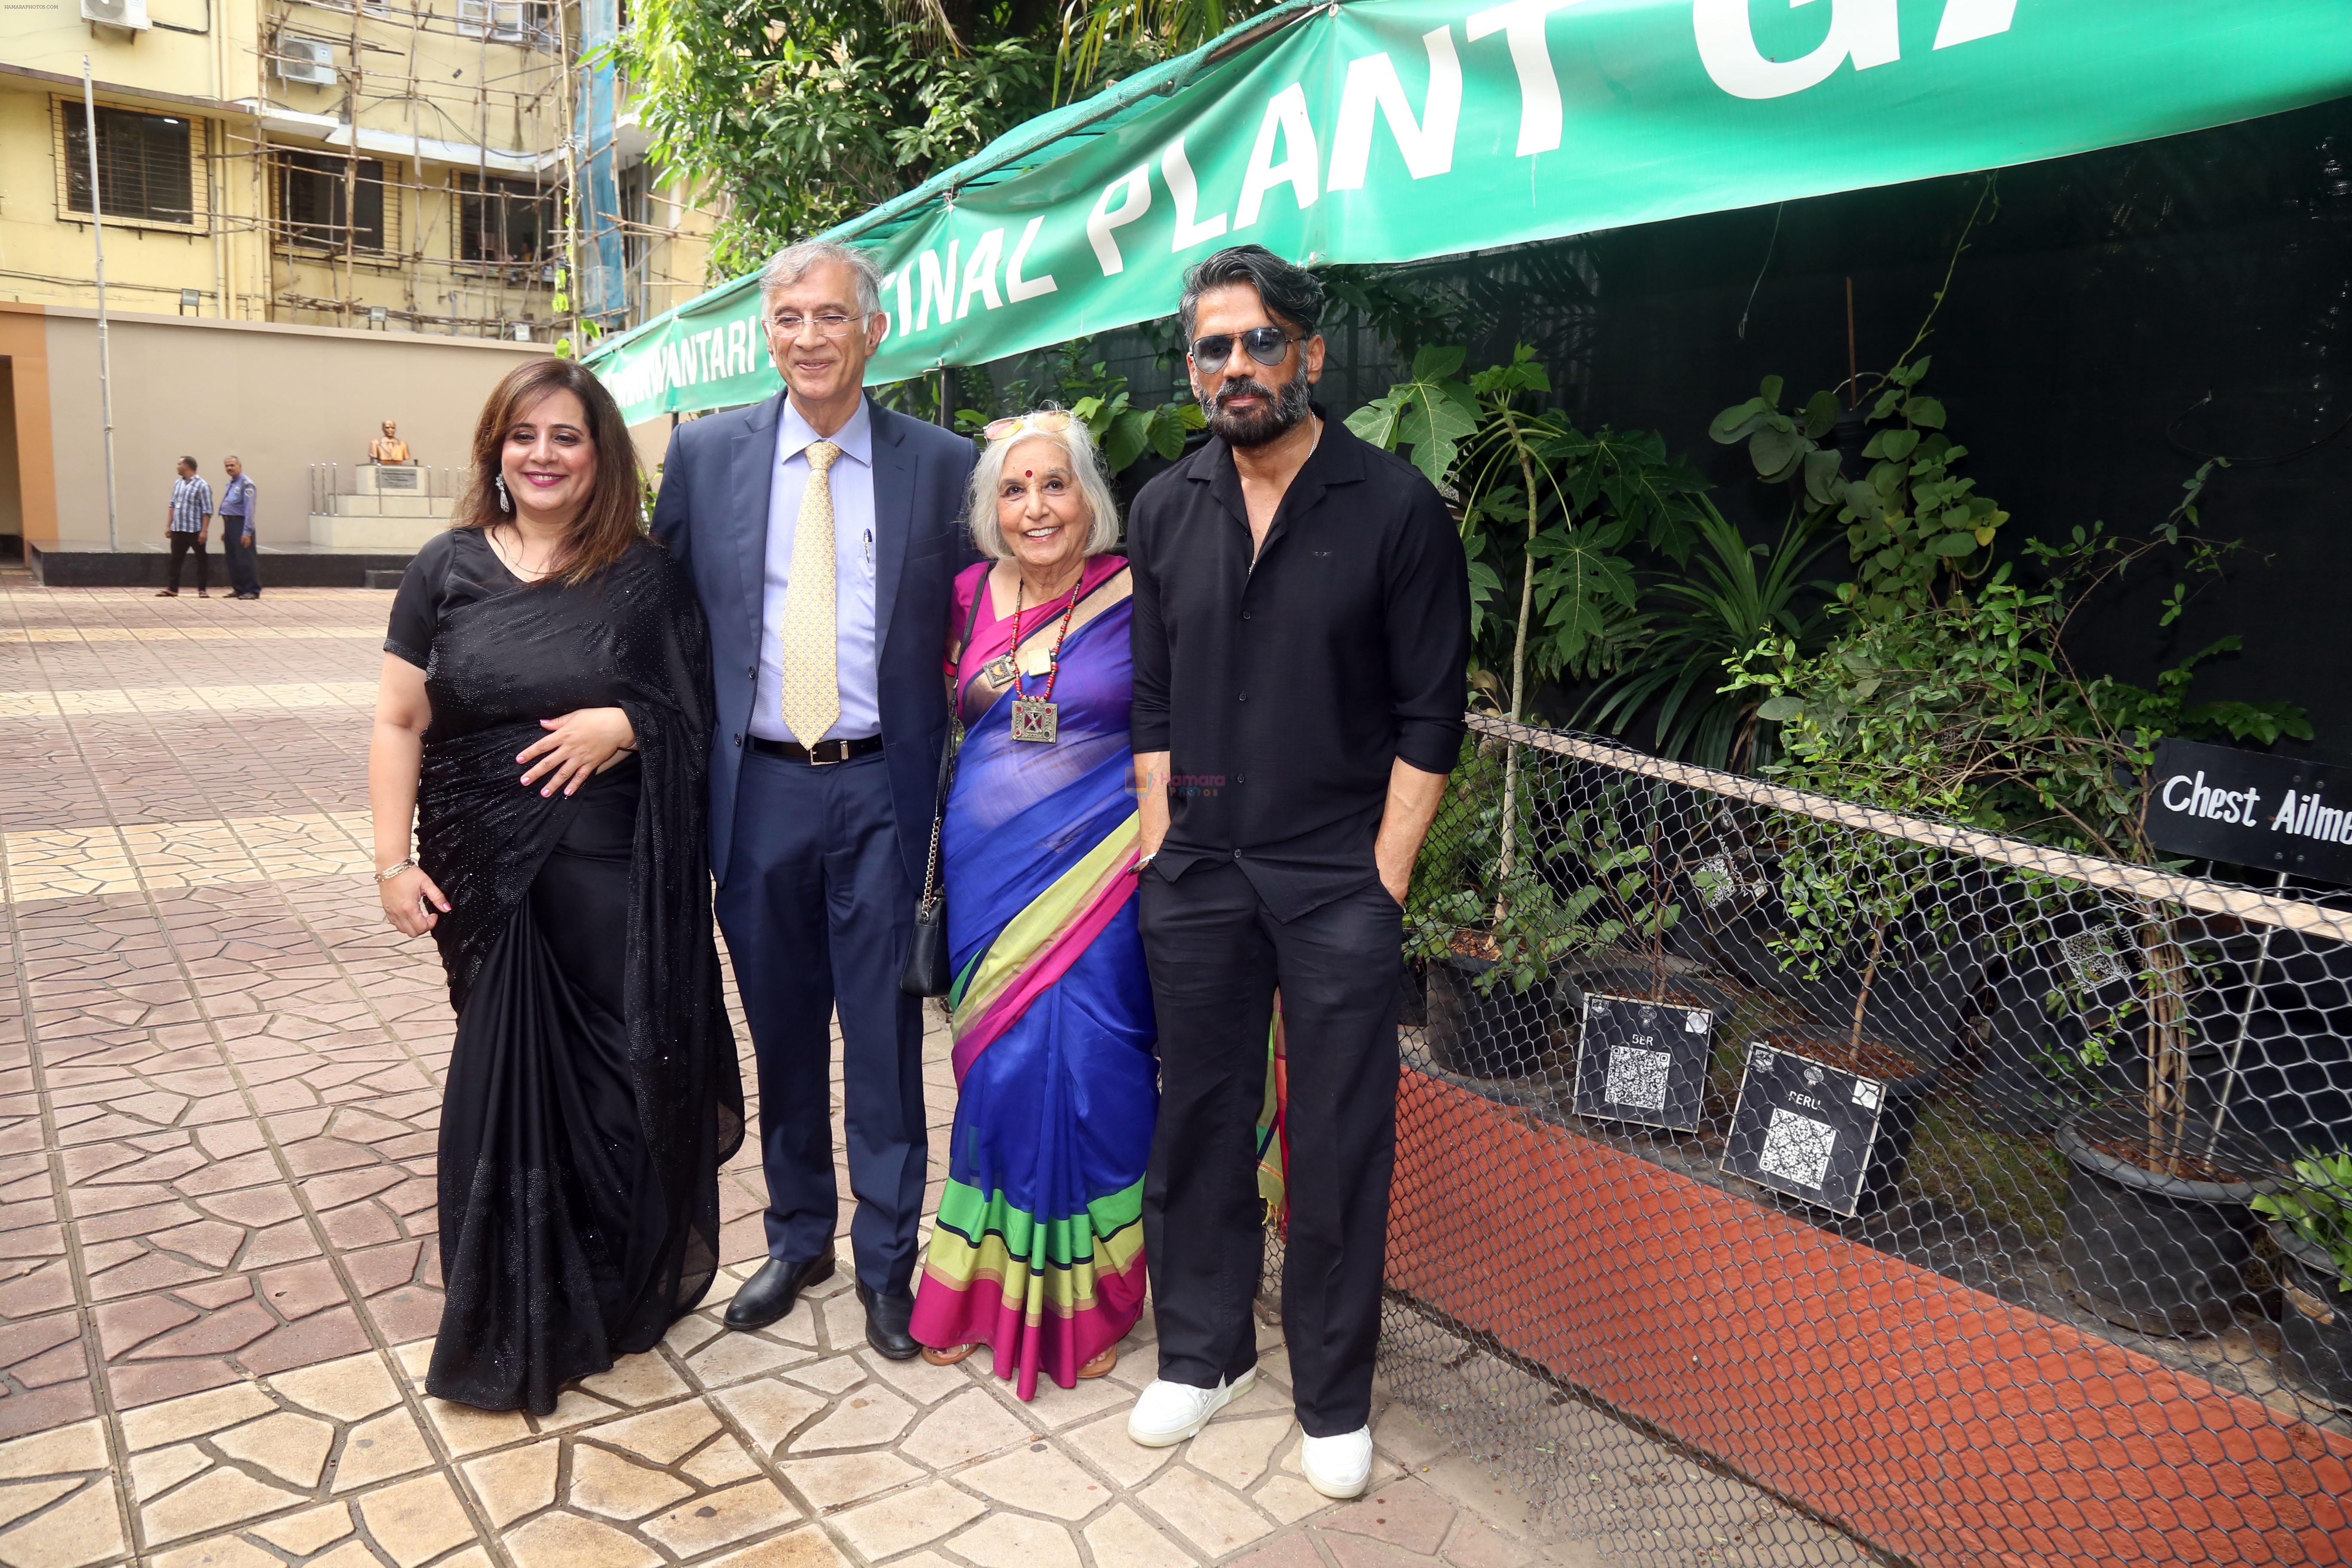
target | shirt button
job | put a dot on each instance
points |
(1242, 697)
(1245, 614)
(1241, 778)
(1237, 853)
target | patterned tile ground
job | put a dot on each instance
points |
(220, 1089)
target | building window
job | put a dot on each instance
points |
(312, 198)
(144, 167)
(503, 221)
(527, 21)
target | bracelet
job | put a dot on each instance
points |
(389, 873)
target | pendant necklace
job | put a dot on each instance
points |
(1035, 718)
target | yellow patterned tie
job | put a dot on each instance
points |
(811, 677)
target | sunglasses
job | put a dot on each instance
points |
(1051, 421)
(1265, 344)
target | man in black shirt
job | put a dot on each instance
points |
(1301, 629)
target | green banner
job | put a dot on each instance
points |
(1395, 130)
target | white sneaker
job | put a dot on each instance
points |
(1168, 1413)
(1339, 1467)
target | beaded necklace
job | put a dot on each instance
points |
(1035, 718)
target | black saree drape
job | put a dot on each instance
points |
(593, 1089)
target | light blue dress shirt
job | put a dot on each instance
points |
(852, 479)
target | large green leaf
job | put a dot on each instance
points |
(1433, 413)
(1131, 431)
(1777, 453)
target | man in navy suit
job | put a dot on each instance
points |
(824, 533)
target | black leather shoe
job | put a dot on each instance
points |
(886, 1323)
(769, 1294)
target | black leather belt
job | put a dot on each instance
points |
(822, 753)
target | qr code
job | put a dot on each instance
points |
(1797, 1148)
(1637, 1078)
(2094, 959)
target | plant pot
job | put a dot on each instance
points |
(2316, 1320)
(1412, 994)
(1496, 1034)
(2162, 1254)
(1681, 989)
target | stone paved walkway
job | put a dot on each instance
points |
(218, 1091)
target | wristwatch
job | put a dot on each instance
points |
(387, 874)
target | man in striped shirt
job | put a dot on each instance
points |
(186, 522)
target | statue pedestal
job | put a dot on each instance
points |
(387, 479)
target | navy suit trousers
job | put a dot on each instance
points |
(816, 908)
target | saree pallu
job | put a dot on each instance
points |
(1037, 1251)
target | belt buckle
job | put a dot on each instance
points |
(821, 762)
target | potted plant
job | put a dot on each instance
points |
(1616, 854)
(1965, 707)
(1853, 900)
(1546, 512)
(1490, 929)
(2311, 1221)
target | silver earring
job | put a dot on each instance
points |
(505, 503)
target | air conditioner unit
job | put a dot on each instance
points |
(128, 15)
(311, 60)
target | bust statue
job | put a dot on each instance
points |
(389, 447)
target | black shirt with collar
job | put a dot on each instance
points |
(1283, 692)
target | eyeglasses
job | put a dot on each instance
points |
(1049, 421)
(1265, 344)
(829, 324)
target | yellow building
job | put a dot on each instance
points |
(306, 161)
(403, 167)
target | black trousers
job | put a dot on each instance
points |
(244, 565)
(182, 543)
(1217, 956)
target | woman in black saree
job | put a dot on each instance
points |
(544, 716)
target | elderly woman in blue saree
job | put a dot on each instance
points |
(1037, 1251)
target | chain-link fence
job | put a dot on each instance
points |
(1977, 1202)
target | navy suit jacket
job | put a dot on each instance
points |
(713, 515)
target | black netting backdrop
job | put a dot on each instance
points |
(1755, 1140)
(1960, 1233)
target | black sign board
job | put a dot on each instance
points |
(1804, 1128)
(1643, 1061)
(2274, 814)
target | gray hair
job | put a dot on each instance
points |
(791, 264)
(1290, 294)
(1086, 462)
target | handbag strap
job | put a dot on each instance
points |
(948, 751)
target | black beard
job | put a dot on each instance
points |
(1281, 412)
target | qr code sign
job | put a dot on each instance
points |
(1797, 1148)
(1637, 1078)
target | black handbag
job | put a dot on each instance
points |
(927, 973)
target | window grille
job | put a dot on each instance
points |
(146, 168)
(503, 221)
(311, 197)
